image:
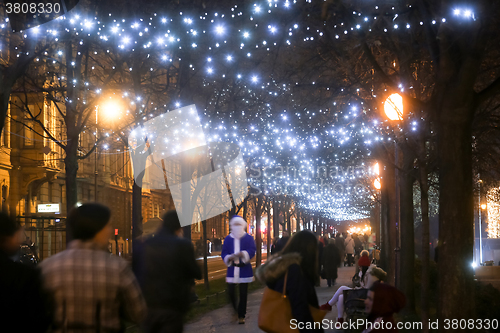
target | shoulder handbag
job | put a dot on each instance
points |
(275, 311)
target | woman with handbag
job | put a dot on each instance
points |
(290, 299)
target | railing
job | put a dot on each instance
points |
(47, 233)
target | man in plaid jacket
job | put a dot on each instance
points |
(92, 291)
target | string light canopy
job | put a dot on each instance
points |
(275, 127)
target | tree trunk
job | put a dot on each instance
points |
(258, 235)
(205, 254)
(71, 169)
(456, 216)
(245, 208)
(425, 280)
(268, 228)
(407, 262)
(276, 225)
(288, 221)
(136, 213)
(389, 215)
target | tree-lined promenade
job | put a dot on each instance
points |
(293, 84)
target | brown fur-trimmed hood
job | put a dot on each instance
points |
(276, 266)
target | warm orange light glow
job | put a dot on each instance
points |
(376, 169)
(377, 184)
(393, 107)
(360, 230)
(110, 110)
(483, 206)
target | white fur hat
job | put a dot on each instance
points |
(237, 219)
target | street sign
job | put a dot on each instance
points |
(48, 208)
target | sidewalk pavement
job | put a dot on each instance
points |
(221, 320)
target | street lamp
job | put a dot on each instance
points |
(393, 108)
(110, 110)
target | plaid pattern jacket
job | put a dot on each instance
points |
(92, 290)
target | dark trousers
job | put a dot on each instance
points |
(163, 321)
(350, 260)
(241, 306)
(330, 282)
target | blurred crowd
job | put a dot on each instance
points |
(86, 289)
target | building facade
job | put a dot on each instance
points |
(32, 179)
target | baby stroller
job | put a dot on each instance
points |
(354, 305)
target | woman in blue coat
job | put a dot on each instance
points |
(237, 251)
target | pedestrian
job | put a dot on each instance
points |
(331, 262)
(237, 251)
(280, 244)
(349, 249)
(339, 242)
(382, 302)
(364, 262)
(92, 291)
(20, 285)
(373, 275)
(166, 268)
(297, 263)
(321, 247)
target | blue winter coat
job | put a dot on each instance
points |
(241, 270)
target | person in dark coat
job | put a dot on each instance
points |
(339, 241)
(331, 262)
(299, 259)
(280, 244)
(321, 247)
(24, 306)
(166, 268)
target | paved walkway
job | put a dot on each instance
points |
(221, 320)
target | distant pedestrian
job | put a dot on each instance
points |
(166, 268)
(339, 242)
(20, 286)
(237, 251)
(349, 249)
(321, 247)
(92, 290)
(280, 244)
(331, 262)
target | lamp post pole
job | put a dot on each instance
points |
(393, 107)
(398, 214)
(95, 160)
(480, 227)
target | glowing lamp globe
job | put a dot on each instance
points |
(376, 169)
(377, 184)
(393, 107)
(111, 110)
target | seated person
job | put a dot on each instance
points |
(374, 274)
(382, 302)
